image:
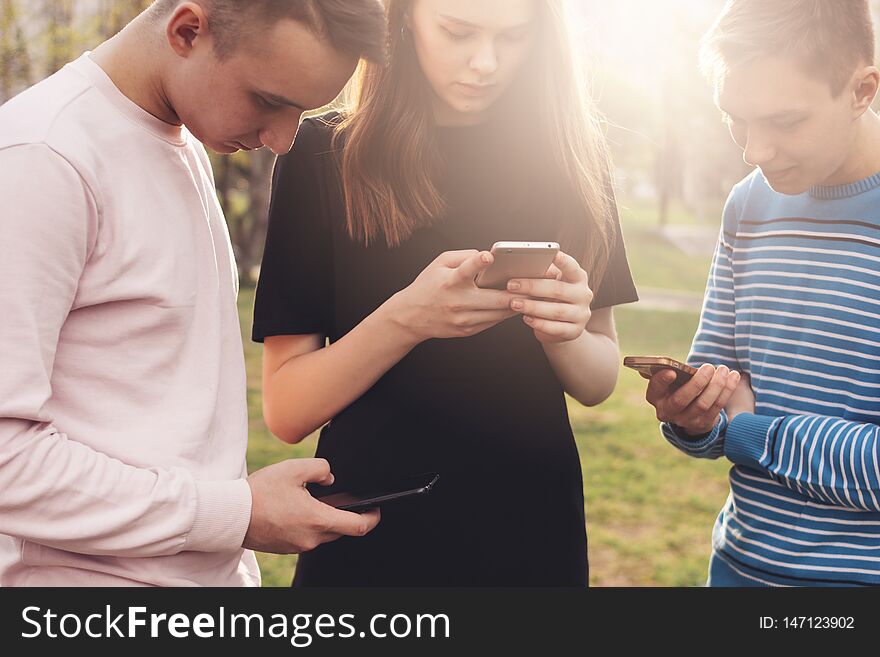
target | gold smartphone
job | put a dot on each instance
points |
(517, 260)
(648, 366)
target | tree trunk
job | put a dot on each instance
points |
(15, 64)
(254, 235)
(59, 33)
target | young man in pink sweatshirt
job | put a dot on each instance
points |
(123, 418)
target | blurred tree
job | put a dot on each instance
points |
(242, 182)
(113, 15)
(670, 152)
(674, 147)
(699, 160)
(60, 33)
(15, 63)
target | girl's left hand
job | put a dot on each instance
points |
(557, 308)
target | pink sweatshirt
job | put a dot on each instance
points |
(123, 418)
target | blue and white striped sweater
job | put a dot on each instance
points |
(793, 299)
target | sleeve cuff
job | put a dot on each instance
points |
(223, 514)
(710, 446)
(747, 437)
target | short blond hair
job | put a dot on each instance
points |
(829, 40)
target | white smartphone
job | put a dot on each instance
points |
(517, 260)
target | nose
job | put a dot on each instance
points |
(757, 151)
(280, 134)
(485, 60)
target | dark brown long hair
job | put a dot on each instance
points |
(390, 159)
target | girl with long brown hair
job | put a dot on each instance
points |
(476, 130)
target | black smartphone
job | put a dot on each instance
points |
(370, 497)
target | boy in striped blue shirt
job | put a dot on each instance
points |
(788, 346)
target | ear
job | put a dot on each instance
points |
(187, 26)
(865, 85)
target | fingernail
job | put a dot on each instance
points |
(486, 258)
(527, 319)
(517, 304)
(513, 286)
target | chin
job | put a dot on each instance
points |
(471, 105)
(789, 185)
(223, 149)
(474, 111)
(215, 145)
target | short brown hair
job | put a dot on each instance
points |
(353, 27)
(828, 39)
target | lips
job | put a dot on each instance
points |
(475, 89)
(778, 174)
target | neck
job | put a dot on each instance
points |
(864, 156)
(135, 61)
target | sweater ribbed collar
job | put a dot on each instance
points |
(845, 191)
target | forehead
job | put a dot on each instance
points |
(288, 59)
(494, 14)
(770, 85)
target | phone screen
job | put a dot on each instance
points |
(370, 497)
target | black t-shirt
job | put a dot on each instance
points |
(486, 412)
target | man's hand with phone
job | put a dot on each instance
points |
(286, 519)
(557, 307)
(696, 406)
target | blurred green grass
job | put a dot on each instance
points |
(645, 214)
(654, 261)
(650, 509)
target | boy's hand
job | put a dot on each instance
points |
(696, 405)
(743, 399)
(286, 519)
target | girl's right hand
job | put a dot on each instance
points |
(444, 301)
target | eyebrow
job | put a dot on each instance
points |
(786, 114)
(281, 100)
(463, 23)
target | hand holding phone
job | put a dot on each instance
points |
(285, 519)
(517, 260)
(648, 366)
(696, 404)
(364, 499)
(443, 301)
(557, 305)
